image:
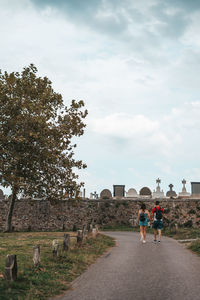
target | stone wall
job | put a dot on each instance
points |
(63, 215)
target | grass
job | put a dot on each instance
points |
(54, 274)
(195, 246)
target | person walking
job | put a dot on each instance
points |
(143, 219)
(157, 216)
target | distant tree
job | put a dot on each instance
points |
(36, 131)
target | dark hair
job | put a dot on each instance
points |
(157, 202)
(143, 206)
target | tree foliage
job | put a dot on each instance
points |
(36, 131)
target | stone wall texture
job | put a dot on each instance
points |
(42, 215)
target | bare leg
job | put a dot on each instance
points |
(141, 233)
(155, 234)
(159, 234)
(144, 232)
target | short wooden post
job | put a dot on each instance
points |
(36, 255)
(55, 247)
(66, 242)
(10, 271)
(94, 232)
(79, 237)
(97, 228)
(90, 228)
(86, 235)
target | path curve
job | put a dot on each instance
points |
(134, 271)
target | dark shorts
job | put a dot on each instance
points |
(157, 224)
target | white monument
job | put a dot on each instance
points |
(132, 193)
(184, 193)
(158, 193)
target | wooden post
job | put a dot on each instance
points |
(86, 235)
(97, 228)
(79, 237)
(10, 271)
(90, 228)
(66, 242)
(55, 247)
(94, 232)
(36, 255)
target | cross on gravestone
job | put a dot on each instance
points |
(171, 193)
(184, 183)
(158, 181)
(36, 255)
(10, 271)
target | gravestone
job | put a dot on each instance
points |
(55, 247)
(145, 192)
(131, 193)
(66, 242)
(158, 193)
(195, 188)
(184, 192)
(10, 271)
(171, 193)
(106, 194)
(118, 191)
(36, 255)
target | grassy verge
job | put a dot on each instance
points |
(54, 274)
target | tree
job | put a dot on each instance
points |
(36, 132)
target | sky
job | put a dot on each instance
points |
(136, 65)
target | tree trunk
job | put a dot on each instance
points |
(11, 208)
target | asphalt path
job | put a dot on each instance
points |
(134, 271)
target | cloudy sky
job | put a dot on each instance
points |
(136, 64)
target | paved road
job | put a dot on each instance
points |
(134, 271)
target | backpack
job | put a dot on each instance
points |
(142, 217)
(158, 213)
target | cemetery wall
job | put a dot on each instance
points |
(63, 215)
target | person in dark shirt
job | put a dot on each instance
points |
(157, 216)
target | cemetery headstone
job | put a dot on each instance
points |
(36, 255)
(10, 271)
(171, 193)
(145, 191)
(118, 191)
(55, 247)
(195, 188)
(66, 242)
(158, 193)
(184, 192)
(132, 193)
(105, 194)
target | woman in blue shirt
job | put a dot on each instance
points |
(143, 219)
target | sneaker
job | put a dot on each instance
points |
(144, 241)
(158, 241)
(155, 241)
